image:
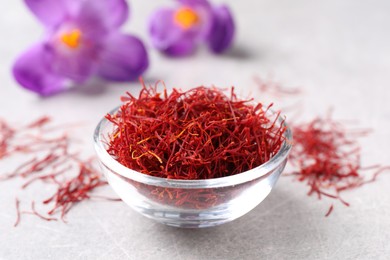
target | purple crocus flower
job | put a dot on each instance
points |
(177, 31)
(82, 40)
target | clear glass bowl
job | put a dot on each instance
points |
(190, 203)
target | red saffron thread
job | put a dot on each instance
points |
(17, 204)
(35, 212)
(51, 164)
(39, 122)
(275, 89)
(75, 190)
(329, 211)
(326, 156)
(6, 134)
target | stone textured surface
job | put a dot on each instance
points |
(338, 51)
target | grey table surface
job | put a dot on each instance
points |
(337, 51)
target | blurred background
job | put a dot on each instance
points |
(338, 52)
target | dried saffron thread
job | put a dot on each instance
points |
(198, 134)
(50, 176)
(326, 156)
(35, 212)
(272, 88)
(75, 189)
(17, 204)
(39, 122)
(32, 212)
(52, 164)
(329, 211)
(6, 133)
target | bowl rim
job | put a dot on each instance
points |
(114, 166)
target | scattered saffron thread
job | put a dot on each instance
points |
(35, 212)
(325, 154)
(75, 189)
(17, 204)
(274, 89)
(327, 157)
(50, 161)
(329, 211)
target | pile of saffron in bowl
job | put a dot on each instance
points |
(202, 133)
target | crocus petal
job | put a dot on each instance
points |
(162, 29)
(33, 71)
(182, 47)
(108, 14)
(49, 12)
(194, 3)
(168, 37)
(75, 64)
(123, 58)
(222, 29)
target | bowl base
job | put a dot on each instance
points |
(191, 219)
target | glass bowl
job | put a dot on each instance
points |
(190, 203)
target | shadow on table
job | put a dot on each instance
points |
(274, 228)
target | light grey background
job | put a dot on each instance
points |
(338, 51)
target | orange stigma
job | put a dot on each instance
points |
(186, 17)
(72, 38)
